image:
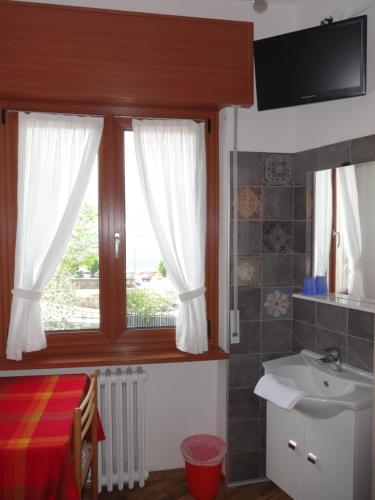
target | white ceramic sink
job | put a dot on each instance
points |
(328, 392)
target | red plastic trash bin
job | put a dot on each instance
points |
(204, 455)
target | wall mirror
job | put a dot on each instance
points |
(341, 229)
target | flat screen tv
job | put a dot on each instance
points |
(316, 64)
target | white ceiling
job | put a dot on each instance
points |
(280, 2)
(104, 3)
(118, 4)
(240, 10)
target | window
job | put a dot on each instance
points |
(71, 299)
(151, 298)
(101, 289)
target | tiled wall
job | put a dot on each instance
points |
(319, 326)
(265, 277)
(273, 258)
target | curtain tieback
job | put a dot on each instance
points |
(22, 293)
(192, 294)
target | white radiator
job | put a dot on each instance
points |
(121, 407)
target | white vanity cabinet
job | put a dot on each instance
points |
(320, 458)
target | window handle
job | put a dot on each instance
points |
(337, 235)
(117, 245)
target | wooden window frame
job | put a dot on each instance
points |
(109, 345)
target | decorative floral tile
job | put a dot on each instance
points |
(277, 237)
(249, 202)
(248, 271)
(278, 169)
(276, 303)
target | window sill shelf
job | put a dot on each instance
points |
(113, 358)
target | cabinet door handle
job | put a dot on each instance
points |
(292, 444)
(312, 458)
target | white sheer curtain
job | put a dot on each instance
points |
(171, 159)
(351, 227)
(322, 221)
(55, 158)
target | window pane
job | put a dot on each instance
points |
(152, 300)
(71, 300)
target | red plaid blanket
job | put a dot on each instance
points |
(36, 419)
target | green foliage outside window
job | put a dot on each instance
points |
(82, 251)
(146, 303)
(58, 302)
(162, 269)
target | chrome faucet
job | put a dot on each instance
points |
(333, 357)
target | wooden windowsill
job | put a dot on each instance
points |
(112, 358)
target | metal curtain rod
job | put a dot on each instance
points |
(160, 118)
(100, 116)
(208, 121)
(52, 113)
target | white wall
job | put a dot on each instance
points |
(181, 399)
(334, 121)
(273, 130)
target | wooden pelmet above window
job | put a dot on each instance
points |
(56, 53)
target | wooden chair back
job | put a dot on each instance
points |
(85, 419)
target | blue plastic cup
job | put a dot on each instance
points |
(308, 286)
(321, 287)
